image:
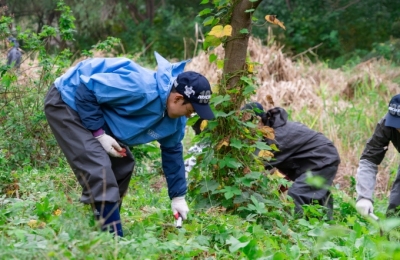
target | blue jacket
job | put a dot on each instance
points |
(129, 102)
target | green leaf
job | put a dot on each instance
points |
(262, 146)
(220, 99)
(235, 244)
(244, 31)
(203, 2)
(232, 163)
(274, 147)
(249, 10)
(249, 89)
(252, 250)
(212, 57)
(205, 11)
(220, 64)
(211, 41)
(209, 20)
(236, 143)
(390, 224)
(208, 185)
(280, 256)
(223, 114)
(317, 182)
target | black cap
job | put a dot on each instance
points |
(393, 115)
(195, 88)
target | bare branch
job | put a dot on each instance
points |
(348, 5)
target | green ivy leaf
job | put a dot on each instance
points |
(236, 143)
(205, 11)
(208, 20)
(212, 57)
(235, 244)
(220, 99)
(208, 185)
(262, 146)
(230, 191)
(220, 64)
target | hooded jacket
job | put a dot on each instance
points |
(301, 149)
(129, 103)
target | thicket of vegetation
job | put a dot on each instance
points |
(40, 216)
(339, 31)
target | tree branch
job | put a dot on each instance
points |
(348, 5)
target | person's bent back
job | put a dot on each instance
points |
(302, 150)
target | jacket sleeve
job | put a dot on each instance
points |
(366, 179)
(174, 170)
(88, 109)
(377, 145)
(372, 156)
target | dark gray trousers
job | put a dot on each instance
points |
(302, 193)
(103, 178)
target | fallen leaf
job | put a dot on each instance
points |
(267, 132)
(223, 142)
(272, 19)
(278, 174)
(57, 212)
(265, 154)
(33, 223)
(270, 100)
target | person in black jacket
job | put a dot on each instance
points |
(387, 131)
(302, 150)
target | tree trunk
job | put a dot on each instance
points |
(236, 47)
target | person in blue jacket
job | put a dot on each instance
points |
(102, 106)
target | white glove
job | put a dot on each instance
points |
(364, 207)
(110, 145)
(180, 206)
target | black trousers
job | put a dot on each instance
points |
(394, 198)
(302, 193)
(102, 178)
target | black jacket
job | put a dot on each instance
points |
(300, 148)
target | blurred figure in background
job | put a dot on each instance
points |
(14, 54)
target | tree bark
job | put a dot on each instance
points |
(236, 47)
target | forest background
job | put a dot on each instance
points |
(337, 31)
(334, 69)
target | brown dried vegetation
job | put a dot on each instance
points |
(297, 85)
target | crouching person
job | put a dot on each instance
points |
(100, 107)
(386, 131)
(302, 150)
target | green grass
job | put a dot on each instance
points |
(150, 232)
(41, 217)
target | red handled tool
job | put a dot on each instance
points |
(178, 218)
